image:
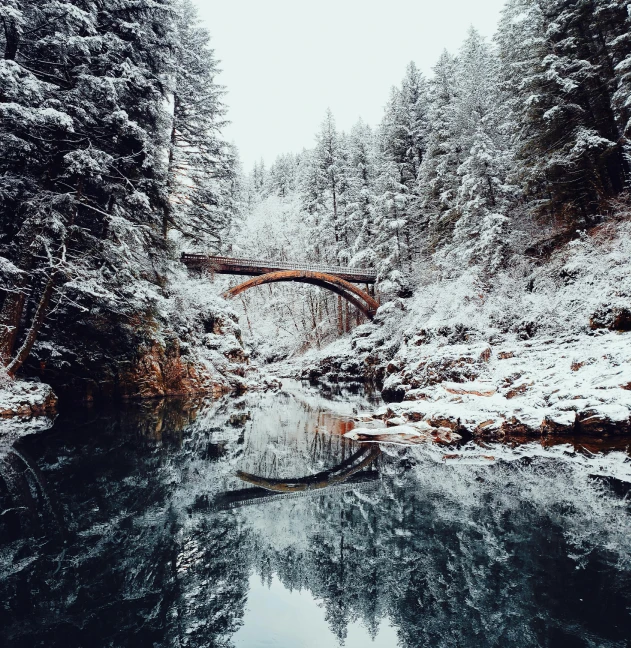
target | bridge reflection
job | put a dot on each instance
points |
(349, 474)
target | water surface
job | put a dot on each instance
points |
(154, 525)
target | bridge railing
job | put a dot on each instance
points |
(285, 265)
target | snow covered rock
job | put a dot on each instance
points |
(26, 399)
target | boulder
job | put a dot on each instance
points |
(514, 427)
(491, 428)
(559, 423)
(604, 420)
(612, 317)
(26, 399)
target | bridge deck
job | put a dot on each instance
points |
(255, 267)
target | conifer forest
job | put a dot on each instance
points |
(372, 392)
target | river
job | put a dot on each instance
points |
(251, 522)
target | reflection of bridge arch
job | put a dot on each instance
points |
(346, 475)
(343, 471)
(367, 304)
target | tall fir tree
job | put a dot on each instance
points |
(201, 165)
(438, 175)
(483, 197)
(404, 138)
(362, 175)
(82, 150)
(570, 142)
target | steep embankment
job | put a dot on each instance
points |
(171, 335)
(177, 338)
(541, 348)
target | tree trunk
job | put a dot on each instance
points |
(38, 320)
(12, 310)
(167, 216)
(247, 317)
(12, 40)
(340, 316)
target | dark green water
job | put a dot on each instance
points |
(149, 525)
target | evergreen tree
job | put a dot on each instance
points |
(483, 197)
(82, 189)
(390, 215)
(613, 24)
(438, 176)
(562, 72)
(283, 175)
(201, 165)
(404, 139)
(323, 184)
(362, 174)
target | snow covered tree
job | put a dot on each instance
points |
(283, 175)
(390, 215)
(362, 175)
(613, 25)
(201, 164)
(483, 197)
(404, 137)
(81, 162)
(323, 183)
(406, 126)
(438, 175)
(328, 158)
(563, 75)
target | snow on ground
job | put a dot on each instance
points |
(544, 385)
(541, 348)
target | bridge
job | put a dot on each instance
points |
(339, 280)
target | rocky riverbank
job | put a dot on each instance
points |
(189, 344)
(537, 350)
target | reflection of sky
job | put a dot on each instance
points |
(277, 618)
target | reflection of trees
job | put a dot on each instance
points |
(128, 574)
(465, 556)
(212, 582)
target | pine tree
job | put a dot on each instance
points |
(324, 183)
(390, 215)
(613, 28)
(406, 126)
(404, 139)
(328, 157)
(438, 176)
(283, 175)
(201, 173)
(81, 164)
(362, 175)
(569, 139)
(483, 197)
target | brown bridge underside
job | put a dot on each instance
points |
(355, 463)
(367, 304)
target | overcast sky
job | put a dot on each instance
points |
(285, 61)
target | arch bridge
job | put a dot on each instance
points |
(339, 280)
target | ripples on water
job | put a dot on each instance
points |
(132, 527)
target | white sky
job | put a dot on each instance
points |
(286, 61)
(277, 618)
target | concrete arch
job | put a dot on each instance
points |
(367, 304)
